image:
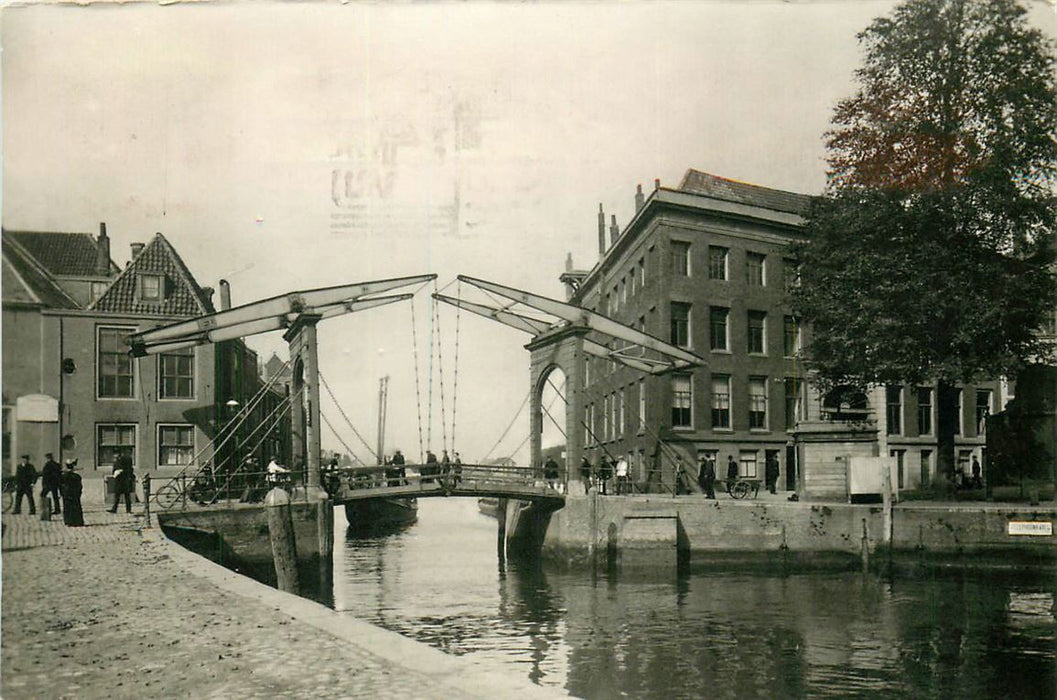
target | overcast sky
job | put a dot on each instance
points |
(293, 146)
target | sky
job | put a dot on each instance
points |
(287, 146)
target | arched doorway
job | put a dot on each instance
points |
(550, 392)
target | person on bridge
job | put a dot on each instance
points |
(456, 469)
(605, 473)
(551, 473)
(585, 474)
(277, 474)
(51, 480)
(398, 472)
(429, 470)
(706, 477)
(72, 514)
(622, 475)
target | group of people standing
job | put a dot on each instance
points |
(63, 487)
(599, 476)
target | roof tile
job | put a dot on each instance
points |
(717, 187)
(72, 254)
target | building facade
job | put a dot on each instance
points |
(707, 266)
(70, 386)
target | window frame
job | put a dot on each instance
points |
(712, 336)
(930, 406)
(761, 382)
(679, 260)
(893, 409)
(743, 471)
(791, 341)
(99, 427)
(794, 400)
(750, 316)
(714, 399)
(981, 420)
(751, 258)
(714, 272)
(161, 377)
(141, 287)
(689, 400)
(159, 445)
(673, 336)
(127, 330)
(642, 406)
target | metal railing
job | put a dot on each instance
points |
(206, 488)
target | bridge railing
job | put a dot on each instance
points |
(424, 477)
(207, 488)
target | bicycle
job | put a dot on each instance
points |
(9, 493)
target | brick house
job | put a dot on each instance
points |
(69, 384)
(707, 266)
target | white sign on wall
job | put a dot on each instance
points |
(37, 408)
(1031, 528)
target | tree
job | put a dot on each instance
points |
(930, 256)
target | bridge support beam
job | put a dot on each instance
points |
(301, 338)
(562, 348)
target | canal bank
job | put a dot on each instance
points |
(113, 609)
(652, 530)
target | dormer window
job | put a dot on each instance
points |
(150, 287)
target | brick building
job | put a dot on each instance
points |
(707, 266)
(69, 384)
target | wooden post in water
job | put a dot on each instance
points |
(500, 516)
(281, 533)
(886, 504)
(325, 527)
(865, 552)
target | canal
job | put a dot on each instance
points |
(699, 633)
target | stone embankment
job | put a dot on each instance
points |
(116, 610)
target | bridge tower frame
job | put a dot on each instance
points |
(561, 348)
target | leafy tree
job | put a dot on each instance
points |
(930, 257)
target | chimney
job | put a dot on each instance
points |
(137, 248)
(614, 230)
(208, 291)
(657, 183)
(640, 199)
(102, 255)
(568, 262)
(601, 232)
(225, 295)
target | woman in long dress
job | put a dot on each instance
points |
(72, 514)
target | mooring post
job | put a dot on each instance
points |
(325, 527)
(146, 500)
(281, 533)
(865, 551)
(500, 516)
(886, 505)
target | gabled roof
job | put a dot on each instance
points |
(65, 254)
(182, 295)
(717, 187)
(25, 281)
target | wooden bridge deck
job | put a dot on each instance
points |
(475, 481)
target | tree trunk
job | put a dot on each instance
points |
(948, 423)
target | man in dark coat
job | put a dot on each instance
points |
(706, 477)
(605, 472)
(771, 471)
(585, 473)
(51, 479)
(732, 472)
(72, 514)
(25, 477)
(124, 481)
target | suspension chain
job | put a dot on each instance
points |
(440, 372)
(418, 393)
(342, 412)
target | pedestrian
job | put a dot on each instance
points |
(771, 471)
(551, 473)
(977, 481)
(124, 481)
(585, 474)
(605, 473)
(25, 477)
(277, 475)
(429, 471)
(72, 514)
(622, 475)
(706, 477)
(399, 471)
(51, 482)
(732, 472)
(457, 469)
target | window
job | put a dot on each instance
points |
(790, 337)
(681, 258)
(114, 364)
(755, 269)
(964, 457)
(589, 415)
(587, 372)
(176, 444)
(790, 273)
(642, 273)
(717, 263)
(792, 403)
(983, 410)
(747, 464)
(682, 400)
(624, 292)
(150, 287)
(620, 412)
(642, 405)
(757, 340)
(680, 331)
(717, 326)
(757, 403)
(631, 282)
(176, 374)
(111, 440)
(926, 467)
(924, 410)
(96, 289)
(721, 401)
(607, 417)
(900, 464)
(961, 412)
(845, 402)
(894, 409)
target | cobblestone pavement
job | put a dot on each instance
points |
(108, 613)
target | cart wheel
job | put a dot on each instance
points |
(167, 496)
(741, 490)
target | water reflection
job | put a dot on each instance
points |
(700, 634)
